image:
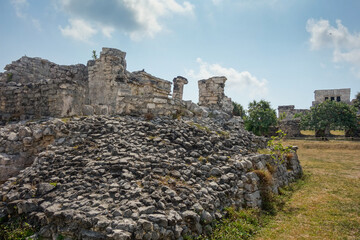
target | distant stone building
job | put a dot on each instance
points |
(339, 95)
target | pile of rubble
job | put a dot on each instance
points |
(107, 177)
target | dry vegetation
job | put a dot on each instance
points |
(326, 204)
(332, 132)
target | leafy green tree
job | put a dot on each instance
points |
(260, 117)
(238, 110)
(357, 101)
(329, 115)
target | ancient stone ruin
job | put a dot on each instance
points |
(211, 94)
(98, 167)
(290, 123)
(339, 95)
(290, 120)
(32, 88)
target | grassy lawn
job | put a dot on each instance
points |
(327, 202)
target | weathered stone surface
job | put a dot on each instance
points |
(211, 94)
(126, 178)
(179, 83)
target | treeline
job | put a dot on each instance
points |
(326, 116)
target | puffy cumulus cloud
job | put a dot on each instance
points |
(238, 83)
(78, 30)
(21, 7)
(345, 45)
(137, 18)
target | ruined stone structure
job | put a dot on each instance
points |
(289, 111)
(211, 94)
(291, 127)
(290, 124)
(111, 177)
(33, 87)
(179, 83)
(339, 95)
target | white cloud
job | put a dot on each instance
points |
(21, 7)
(107, 31)
(239, 84)
(345, 45)
(217, 2)
(78, 30)
(137, 18)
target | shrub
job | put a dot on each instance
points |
(238, 110)
(260, 117)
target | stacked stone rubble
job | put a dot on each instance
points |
(126, 178)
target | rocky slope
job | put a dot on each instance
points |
(127, 178)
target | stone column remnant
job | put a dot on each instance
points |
(179, 83)
(211, 94)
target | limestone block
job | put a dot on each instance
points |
(160, 100)
(151, 105)
(88, 110)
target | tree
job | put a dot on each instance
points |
(329, 115)
(238, 110)
(357, 101)
(260, 117)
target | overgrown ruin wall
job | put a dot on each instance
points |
(290, 111)
(290, 120)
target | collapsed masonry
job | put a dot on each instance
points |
(290, 123)
(33, 87)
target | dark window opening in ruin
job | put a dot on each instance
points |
(326, 98)
(338, 99)
(332, 98)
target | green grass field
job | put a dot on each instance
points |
(327, 202)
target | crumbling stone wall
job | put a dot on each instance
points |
(291, 127)
(211, 94)
(34, 87)
(114, 90)
(290, 124)
(290, 111)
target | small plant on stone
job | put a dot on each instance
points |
(9, 77)
(53, 183)
(94, 56)
(277, 149)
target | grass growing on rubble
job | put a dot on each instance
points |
(246, 223)
(324, 204)
(15, 229)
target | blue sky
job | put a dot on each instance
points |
(277, 50)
